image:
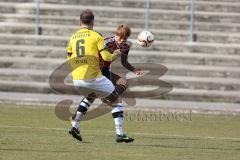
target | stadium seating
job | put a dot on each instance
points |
(207, 70)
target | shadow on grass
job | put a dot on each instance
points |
(86, 142)
(35, 150)
(174, 138)
(185, 147)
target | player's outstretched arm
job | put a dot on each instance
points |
(107, 56)
(128, 66)
(125, 63)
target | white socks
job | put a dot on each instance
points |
(117, 113)
(78, 118)
(82, 109)
(118, 125)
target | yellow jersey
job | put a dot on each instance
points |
(83, 54)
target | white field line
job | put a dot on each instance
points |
(136, 133)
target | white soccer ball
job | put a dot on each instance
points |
(145, 38)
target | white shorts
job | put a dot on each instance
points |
(101, 86)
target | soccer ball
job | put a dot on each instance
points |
(145, 38)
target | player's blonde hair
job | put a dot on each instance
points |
(123, 31)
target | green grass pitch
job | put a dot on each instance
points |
(35, 133)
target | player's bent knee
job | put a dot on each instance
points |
(120, 88)
(122, 82)
(91, 97)
(111, 98)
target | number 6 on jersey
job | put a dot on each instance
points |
(80, 48)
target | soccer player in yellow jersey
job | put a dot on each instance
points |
(113, 43)
(84, 51)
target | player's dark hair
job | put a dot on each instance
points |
(87, 17)
(123, 31)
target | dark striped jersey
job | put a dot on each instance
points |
(111, 44)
